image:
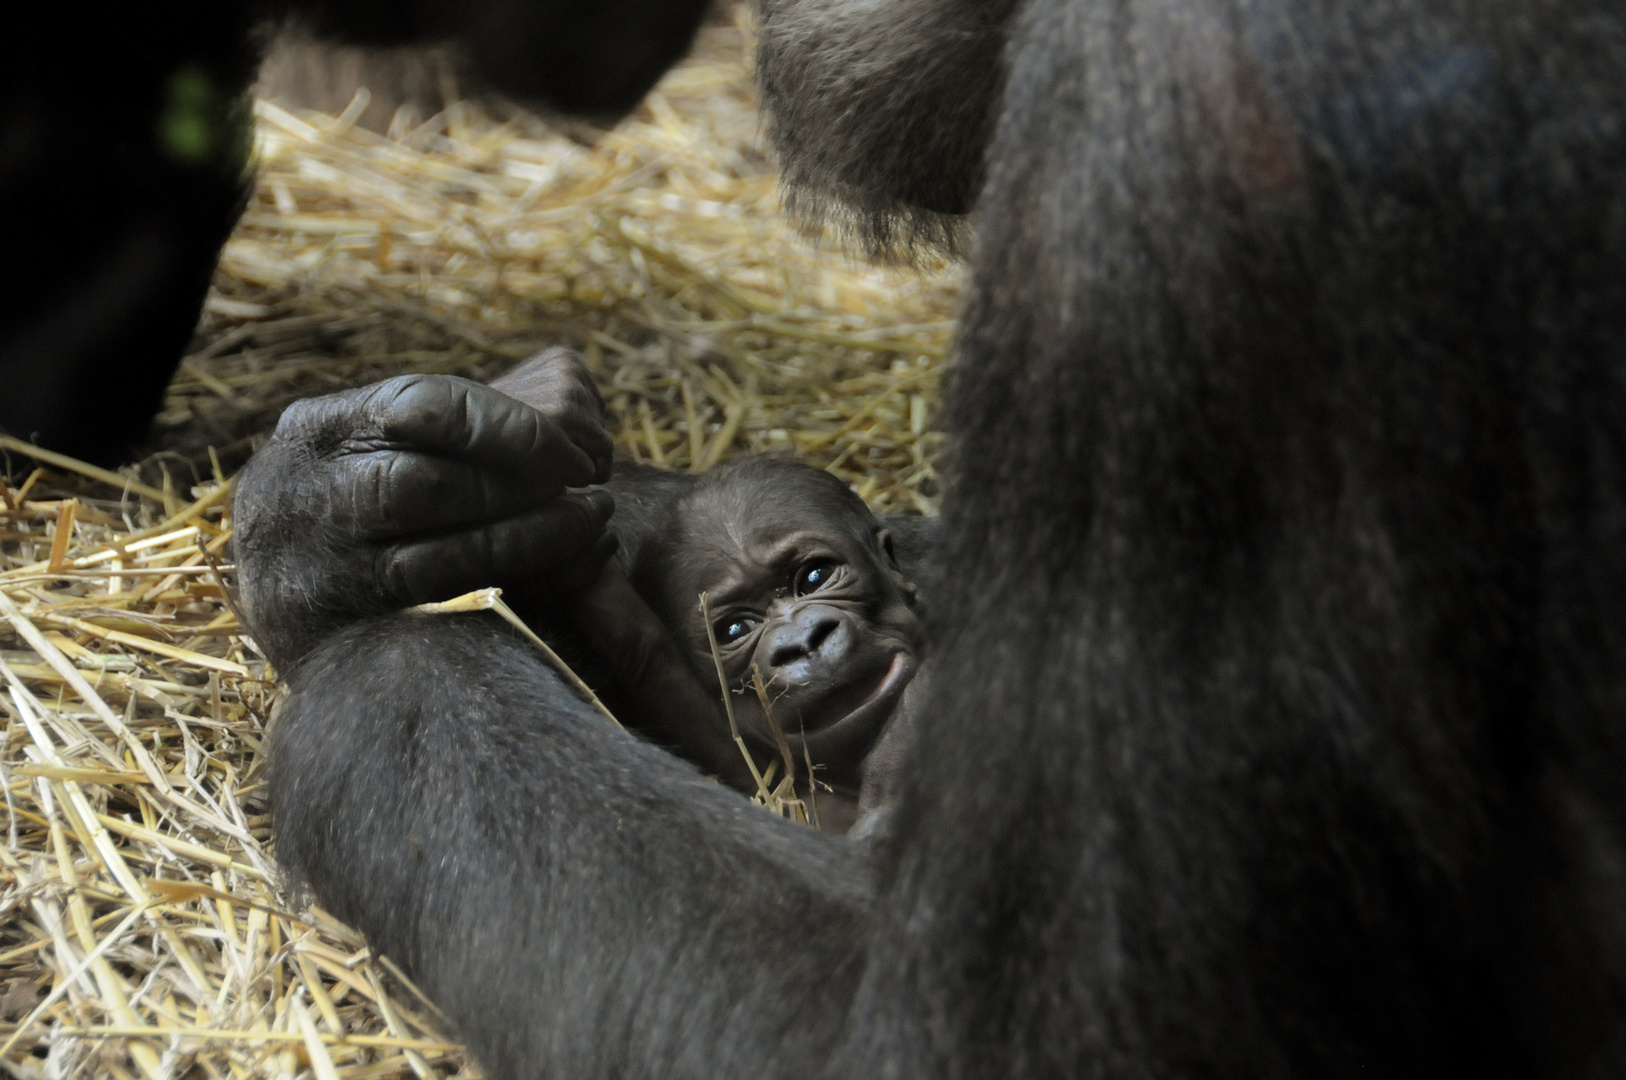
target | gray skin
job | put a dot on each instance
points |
(420, 488)
(803, 587)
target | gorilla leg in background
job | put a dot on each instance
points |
(124, 142)
(1281, 618)
(123, 162)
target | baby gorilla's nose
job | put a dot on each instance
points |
(815, 637)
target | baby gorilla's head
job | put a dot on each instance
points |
(802, 586)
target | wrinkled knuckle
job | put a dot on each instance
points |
(390, 572)
(587, 521)
(560, 356)
(404, 396)
(396, 387)
(427, 402)
(388, 486)
(297, 418)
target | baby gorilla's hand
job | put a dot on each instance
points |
(415, 489)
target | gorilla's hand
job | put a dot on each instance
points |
(419, 488)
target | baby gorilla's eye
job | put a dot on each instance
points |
(734, 629)
(814, 576)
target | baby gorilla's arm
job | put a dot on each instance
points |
(658, 693)
(652, 687)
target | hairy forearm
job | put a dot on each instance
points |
(297, 575)
(549, 878)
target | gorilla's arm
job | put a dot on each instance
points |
(423, 487)
(580, 902)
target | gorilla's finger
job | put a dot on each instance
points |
(462, 419)
(584, 569)
(446, 415)
(593, 440)
(323, 423)
(552, 381)
(518, 549)
(396, 493)
(557, 384)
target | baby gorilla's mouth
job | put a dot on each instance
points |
(860, 695)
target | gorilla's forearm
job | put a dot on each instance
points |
(550, 880)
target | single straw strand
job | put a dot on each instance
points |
(490, 600)
(728, 701)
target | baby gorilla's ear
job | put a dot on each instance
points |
(883, 540)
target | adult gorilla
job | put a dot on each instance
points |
(124, 141)
(1282, 606)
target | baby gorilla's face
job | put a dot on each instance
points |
(814, 602)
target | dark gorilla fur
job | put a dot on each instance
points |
(1280, 628)
(515, 947)
(124, 151)
(881, 113)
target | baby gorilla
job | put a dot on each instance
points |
(803, 588)
(371, 500)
